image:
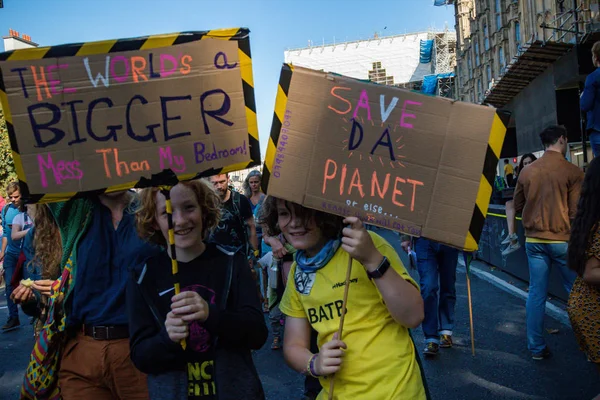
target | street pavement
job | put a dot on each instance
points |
(501, 368)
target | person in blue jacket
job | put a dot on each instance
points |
(10, 251)
(590, 101)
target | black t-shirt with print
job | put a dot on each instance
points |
(229, 233)
(235, 317)
(207, 278)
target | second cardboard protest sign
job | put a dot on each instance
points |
(103, 115)
(397, 159)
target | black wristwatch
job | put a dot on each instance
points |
(383, 267)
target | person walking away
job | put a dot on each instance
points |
(11, 249)
(217, 312)
(509, 174)
(436, 264)
(547, 193)
(584, 259)
(384, 302)
(512, 239)
(590, 102)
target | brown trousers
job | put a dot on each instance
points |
(100, 370)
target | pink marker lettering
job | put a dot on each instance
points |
(62, 170)
(168, 160)
(363, 102)
(113, 72)
(408, 115)
(55, 82)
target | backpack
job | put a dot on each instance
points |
(4, 211)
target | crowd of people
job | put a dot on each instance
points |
(95, 274)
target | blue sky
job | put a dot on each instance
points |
(275, 26)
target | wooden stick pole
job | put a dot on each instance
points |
(471, 314)
(341, 328)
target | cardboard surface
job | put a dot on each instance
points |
(397, 159)
(104, 120)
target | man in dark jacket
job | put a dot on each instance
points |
(237, 229)
(590, 101)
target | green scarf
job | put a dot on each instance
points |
(41, 378)
(73, 218)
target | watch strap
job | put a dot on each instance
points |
(381, 269)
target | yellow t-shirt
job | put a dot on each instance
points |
(508, 169)
(380, 362)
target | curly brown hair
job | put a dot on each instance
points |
(330, 225)
(47, 244)
(208, 200)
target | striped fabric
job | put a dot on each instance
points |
(41, 376)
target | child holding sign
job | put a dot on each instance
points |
(217, 313)
(376, 359)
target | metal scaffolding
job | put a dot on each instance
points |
(446, 87)
(444, 61)
(444, 51)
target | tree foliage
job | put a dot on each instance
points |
(7, 166)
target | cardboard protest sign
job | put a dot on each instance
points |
(397, 159)
(101, 116)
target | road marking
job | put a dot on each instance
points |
(552, 310)
(3, 307)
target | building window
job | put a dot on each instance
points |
(518, 34)
(501, 59)
(498, 15)
(479, 89)
(477, 51)
(379, 75)
(486, 36)
(488, 71)
(470, 67)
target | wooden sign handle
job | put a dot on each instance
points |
(341, 328)
(471, 314)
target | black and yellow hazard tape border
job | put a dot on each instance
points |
(488, 175)
(241, 35)
(285, 79)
